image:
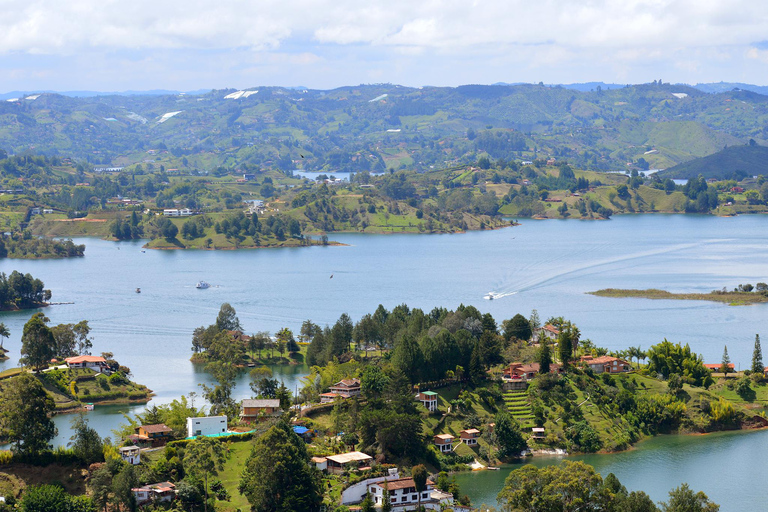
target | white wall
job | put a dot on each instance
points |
(206, 425)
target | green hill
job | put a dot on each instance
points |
(732, 162)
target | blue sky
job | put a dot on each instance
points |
(115, 45)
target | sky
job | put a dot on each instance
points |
(118, 45)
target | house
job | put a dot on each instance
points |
(469, 436)
(130, 454)
(403, 496)
(716, 367)
(206, 426)
(429, 399)
(525, 372)
(253, 409)
(548, 332)
(444, 442)
(47, 211)
(163, 491)
(34, 211)
(348, 461)
(537, 433)
(152, 435)
(177, 212)
(607, 364)
(320, 462)
(326, 398)
(765, 372)
(346, 388)
(95, 363)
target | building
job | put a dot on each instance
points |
(320, 462)
(403, 496)
(163, 491)
(716, 367)
(253, 409)
(348, 461)
(96, 363)
(444, 442)
(326, 398)
(152, 435)
(130, 454)
(177, 212)
(429, 399)
(346, 388)
(548, 332)
(524, 372)
(537, 433)
(607, 364)
(469, 436)
(206, 426)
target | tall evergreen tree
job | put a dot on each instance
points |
(725, 365)
(565, 347)
(545, 357)
(757, 357)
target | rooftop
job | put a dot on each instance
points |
(85, 359)
(445, 437)
(343, 458)
(261, 402)
(155, 429)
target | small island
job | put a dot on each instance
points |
(22, 291)
(743, 295)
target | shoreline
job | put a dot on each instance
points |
(729, 298)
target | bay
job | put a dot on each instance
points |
(547, 265)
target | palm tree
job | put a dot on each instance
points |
(4, 333)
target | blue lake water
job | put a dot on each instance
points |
(546, 265)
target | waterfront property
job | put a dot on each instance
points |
(428, 399)
(152, 435)
(347, 461)
(95, 363)
(153, 493)
(130, 454)
(346, 388)
(525, 372)
(607, 364)
(444, 442)
(326, 398)
(253, 409)
(470, 436)
(206, 425)
(403, 496)
(548, 332)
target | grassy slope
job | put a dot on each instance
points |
(733, 298)
(750, 159)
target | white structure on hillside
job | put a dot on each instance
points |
(206, 425)
(130, 454)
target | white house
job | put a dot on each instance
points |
(163, 491)
(177, 212)
(96, 363)
(206, 425)
(130, 454)
(403, 496)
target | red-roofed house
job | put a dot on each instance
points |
(716, 367)
(470, 436)
(607, 364)
(525, 372)
(96, 363)
(346, 388)
(444, 442)
(548, 332)
(152, 435)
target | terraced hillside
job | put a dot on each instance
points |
(519, 406)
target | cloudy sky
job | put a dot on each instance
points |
(116, 45)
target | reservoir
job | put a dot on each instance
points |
(543, 265)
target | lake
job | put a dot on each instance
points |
(546, 265)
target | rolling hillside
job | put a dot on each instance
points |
(731, 162)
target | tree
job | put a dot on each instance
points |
(683, 499)
(517, 327)
(24, 416)
(408, 358)
(203, 457)
(227, 319)
(85, 442)
(100, 485)
(53, 498)
(725, 365)
(508, 436)
(278, 475)
(38, 345)
(4, 333)
(386, 503)
(367, 504)
(534, 320)
(545, 357)
(565, 346)
(122, 484)
(757, 355)
(419, 475)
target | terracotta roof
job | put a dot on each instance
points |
(160, 486)
(400, 483)
(717, 366)
(155, 429)
(602, 360)
(347, 383)
(86, 359)
(551, 328)
(330, 394)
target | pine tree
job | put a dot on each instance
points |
(565, 347)
(475, 367)
(545, 357)
(725, 366)
(757, 357)
(386, 504)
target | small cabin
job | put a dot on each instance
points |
(470, 436)
(130, 454)
(428, 399)
(444, 442)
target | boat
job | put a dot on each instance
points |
(88, 407)
(493, 468)
(138, 290)
(202, 285)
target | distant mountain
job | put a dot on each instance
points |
(732, 162)
(729, 86)
(93, 94)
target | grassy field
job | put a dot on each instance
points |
(732, 298)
